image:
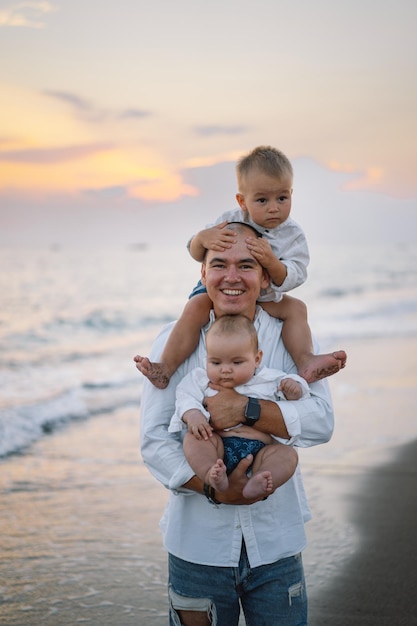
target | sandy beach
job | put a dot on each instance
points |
(79, 513)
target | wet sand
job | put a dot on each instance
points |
(79, 535)
(377, 585)
(361, 560)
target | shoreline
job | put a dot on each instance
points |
(80, 539)
(357, 484)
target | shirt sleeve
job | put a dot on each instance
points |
(189, 395)
(289, 245)
(309, 421)
(296, 263)
(161, 450)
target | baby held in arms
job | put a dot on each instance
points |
(234, 362)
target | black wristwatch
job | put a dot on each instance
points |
(252, 412)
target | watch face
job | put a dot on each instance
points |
(252, 411)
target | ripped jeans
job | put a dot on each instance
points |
(270, 595)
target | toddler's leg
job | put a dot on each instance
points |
(206, 459)
(297, 338)
(181, 343)
(272, 467)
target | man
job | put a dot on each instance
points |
(220, 549)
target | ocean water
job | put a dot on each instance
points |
(72, 319)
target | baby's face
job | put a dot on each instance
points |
(266, 198)
(232, 360)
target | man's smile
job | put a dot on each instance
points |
(233, 292)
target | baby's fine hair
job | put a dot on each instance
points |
(234, 325)
(267, 160)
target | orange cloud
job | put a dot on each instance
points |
(44, 150)
(370, 179)
(374, 178)
(74, 169)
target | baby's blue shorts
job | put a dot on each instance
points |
(238, 448)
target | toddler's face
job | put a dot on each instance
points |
(231, 360)
(266, 198)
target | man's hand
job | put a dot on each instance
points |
(226, 408)
(237, 480)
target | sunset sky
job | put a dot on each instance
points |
(122, 118)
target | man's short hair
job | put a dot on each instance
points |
(231, 226)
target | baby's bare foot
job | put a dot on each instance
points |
(216, 477)
(157, 373)
(259, 484)
(323, 365)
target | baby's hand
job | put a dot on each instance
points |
(291, 389)
(261, 250)
(198, 426)
(218, 237)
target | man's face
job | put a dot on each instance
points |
(234, 278)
